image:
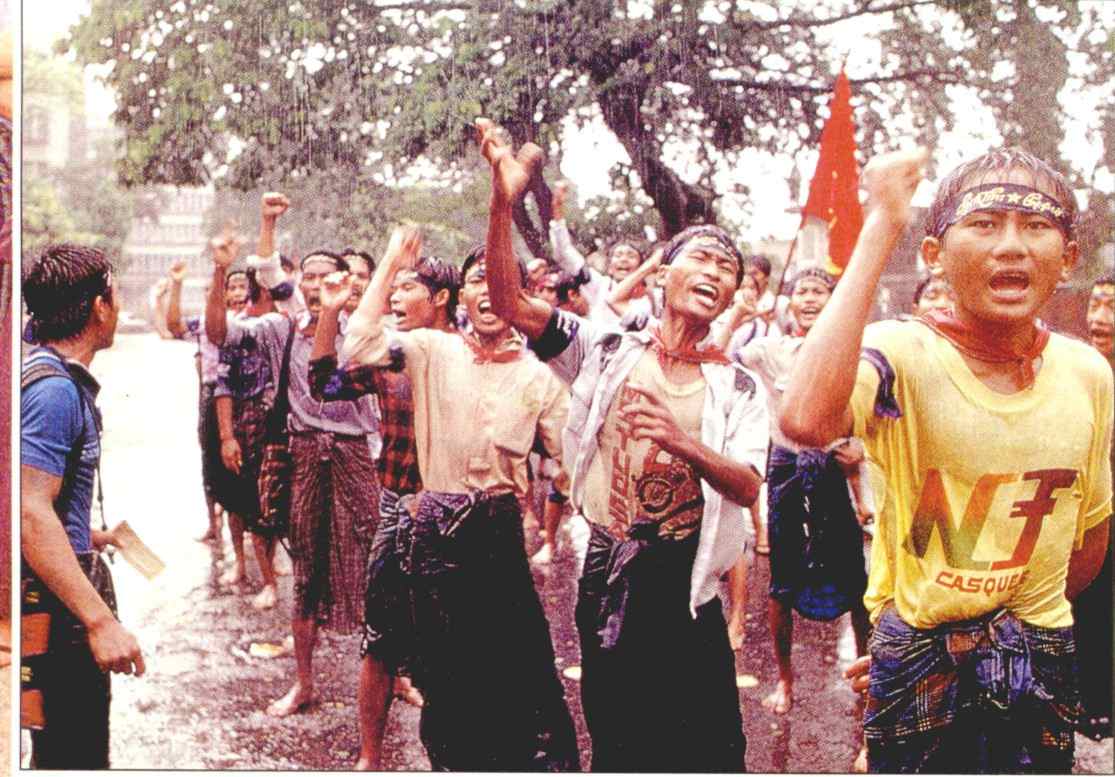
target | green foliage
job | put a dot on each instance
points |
(343, 91)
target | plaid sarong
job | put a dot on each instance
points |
(991, 694)
(334, 496)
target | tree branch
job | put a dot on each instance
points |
(910, 75)
(802, 22)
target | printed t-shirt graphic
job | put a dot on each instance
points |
(631, 478)
(987, 494)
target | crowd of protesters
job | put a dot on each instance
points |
(685, 417)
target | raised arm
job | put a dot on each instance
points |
(621, 293)
(266, 261)
(335, 291)
(364, 338)
(741, 311)
(174, 301)
(566, 255)
(510, 175)
(225, 248)
(815, 407)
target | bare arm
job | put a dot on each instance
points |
(510, 175)
(364, 335)
(741, 311)
(47, 550)
(1085, 563)
(335, 291)
(815, 406)
(231, 454)
(225, 249)
(174, 300)
(621, 293)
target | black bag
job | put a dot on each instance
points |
(276, 466)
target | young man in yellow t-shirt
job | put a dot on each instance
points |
(993, 435)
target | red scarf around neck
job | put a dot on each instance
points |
(692, 354)
(986, 348)
(507, 351)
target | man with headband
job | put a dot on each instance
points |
(816, 541)
(424, 297)
(474, 632)
(333, 447)
(665, 445)
(74, 305)
(993, 435)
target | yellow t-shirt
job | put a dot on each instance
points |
(984, 495)
(634, 478)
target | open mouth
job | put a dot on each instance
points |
(707, 292)
(1009, 282)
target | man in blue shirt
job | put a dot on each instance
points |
(74, 305)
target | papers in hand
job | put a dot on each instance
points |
(135, 552)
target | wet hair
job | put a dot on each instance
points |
(436, 274)
(255, 291)
(986, 166)
(570, 282)
(1107, 279)
(363, 255)
(677, 243)
(477, 255)
(342, 265)
(760, 263)
(59, 288)
(812, 272)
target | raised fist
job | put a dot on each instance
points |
(336, 288)
(178, 271)
(273, 204)
(225, 249)
(891, 180)
(510, 172)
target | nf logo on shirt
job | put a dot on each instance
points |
(934, 513)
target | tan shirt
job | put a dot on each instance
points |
(772, 358)
(631, 478)
(474, 424)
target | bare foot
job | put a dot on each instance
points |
(405, 690)
(735, 630)
(232, 577)
(781, 700)
(860, 764)
(544, 555)
(266, 598)
(366, 764)
(295, 701)
(281, 564)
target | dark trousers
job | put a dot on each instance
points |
(76, 697)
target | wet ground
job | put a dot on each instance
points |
(201, 704)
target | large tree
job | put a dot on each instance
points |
(347, 89)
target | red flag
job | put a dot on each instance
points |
(834, 191)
